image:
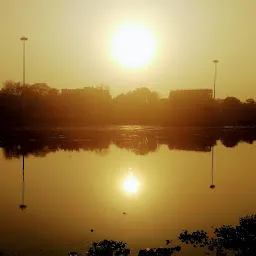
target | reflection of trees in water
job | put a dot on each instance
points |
(101, 152)
(11, 151)
(190, 139)
(231, 138)
(193, 143)
(37, 150)
(40, 143)
(139, 144)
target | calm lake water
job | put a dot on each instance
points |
(162, 187)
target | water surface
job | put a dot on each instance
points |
(73, 186)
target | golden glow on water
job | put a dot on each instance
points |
(133, 46)
(131, 184)
(162, 193)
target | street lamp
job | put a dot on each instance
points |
(215, 76)
(24, 39)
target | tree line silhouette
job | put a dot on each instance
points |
(139, 140)
(40, 105)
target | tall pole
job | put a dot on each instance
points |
(215, 76)
(24, 39)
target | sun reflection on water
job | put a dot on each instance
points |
(131, 184)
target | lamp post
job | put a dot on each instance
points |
(215, 76)
(22, 205)
(24, 39)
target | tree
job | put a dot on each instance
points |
(240, 240)
(115, 248)
(108, 248)
(159, 251)
(231, 102)
(250, 101)
(139, 106)
(12, 88)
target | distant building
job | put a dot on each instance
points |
(77, 91)
(86, 90)
(86, 94)
(191, 95)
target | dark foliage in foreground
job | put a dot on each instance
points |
(160, 251)
(240, 240)
(115, 248)
(40, 105)
(108, 247)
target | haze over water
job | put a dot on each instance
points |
(68, 193)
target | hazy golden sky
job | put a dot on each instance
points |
(70, 40)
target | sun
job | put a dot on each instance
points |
(131, 184)
(133, 45)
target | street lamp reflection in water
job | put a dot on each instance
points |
(212, 186)
(23, 206)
